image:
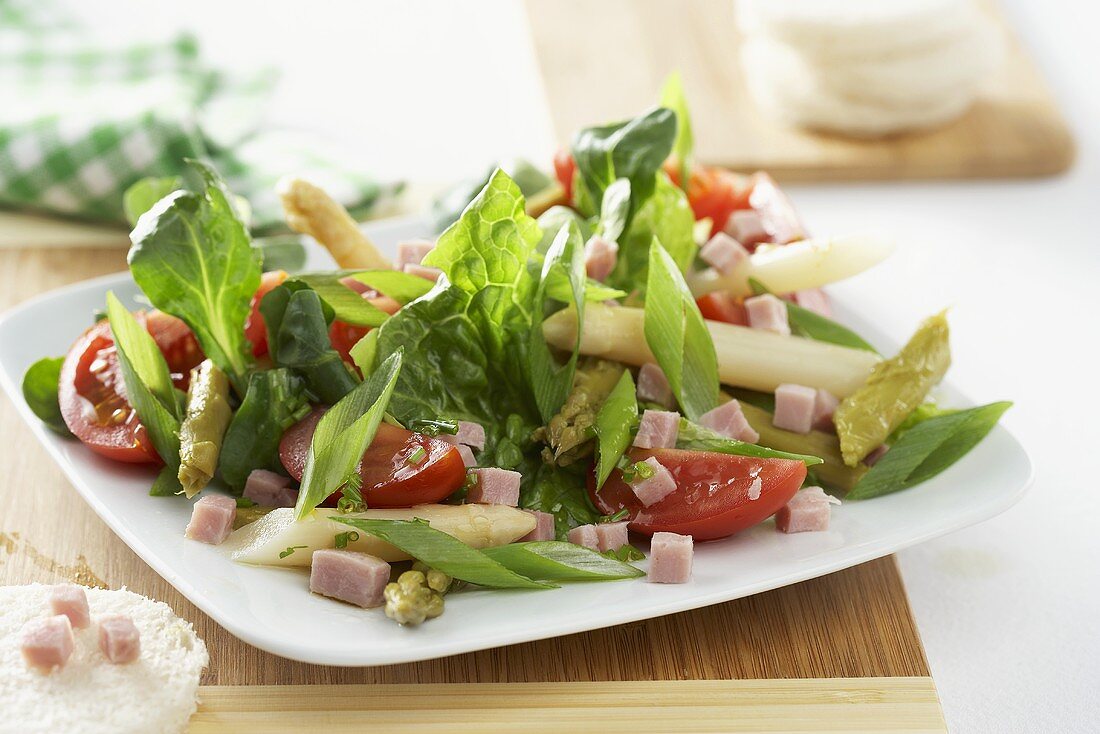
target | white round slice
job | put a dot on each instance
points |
(838, 29)
(785, 88)
(155, 694)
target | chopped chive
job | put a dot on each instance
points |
(434, 427)
(643, 470)
(245, 502)
(621, 514)
(417, 456)
(342, 539)
(290, 550)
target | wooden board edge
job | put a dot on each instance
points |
(903, 704)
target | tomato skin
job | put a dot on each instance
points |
(712, 496)
(389, 480)
(565, 168)
(254, 328)
(714, 192)
(344, 336)
(721, 306)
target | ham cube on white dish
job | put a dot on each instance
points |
(119, 639)
(658, 429)
(768, 313)
(422, 271)
(808, 511)
(268, 489)
(467, 455)
(651, 490)
(544, 527)
(653, 386)
(670, 557)
(47, 643)
(585, 535)
(611, 536)
(724, 253)
(600, 256)
(469, 433)
(357, 578)
(70, 600)
(729, 420)
(412, 252)
(794, 408)
(493, 486)
(212, 519)
(814, 300)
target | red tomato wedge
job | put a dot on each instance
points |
(92, 395)
(564, 168)
(390, 479)
(254, 328)
(712, 496)
(344, 336)
(720, 306)
(714, 193)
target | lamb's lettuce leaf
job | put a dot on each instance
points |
(144, 193)
(615, 210)
(666, 215)
(40, 383)
(672, 97)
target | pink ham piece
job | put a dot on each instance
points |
(768, 313)
(808, 511)
(728, 420)
(47, 643)
(422, 271)
(212, 519)
(653, 489)
(658, 429)
(495, 486)
(600, 256)
(268, 489)
(412, 252)
(747, 227)
(119, 639)
(814, 300)
(467, 455)
(469, 433)
(724, 253)
(825, 404)
(359, 287)
(777, 214)
(670, 557)
(653, 386)
(794, 408)
(70, 600)
(611, 536)
(585, 535)
(544, 527)
(357, 578)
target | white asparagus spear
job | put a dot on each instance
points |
(752, 358)
(311, 211)
(797, 266)
(479, 526)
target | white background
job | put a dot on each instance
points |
(1009, 611)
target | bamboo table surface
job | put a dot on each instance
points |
(722, 663)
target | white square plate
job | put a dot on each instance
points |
(273, 609)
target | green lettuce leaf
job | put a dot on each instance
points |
(144, 193)
(40, 383)
(672, 97)
(666, 215)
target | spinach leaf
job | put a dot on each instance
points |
(275, 400)
(443, 552)
(282, 252)
(666, 215)
(561, 491)
(693, 436)
(928, 448)
(40, 391)
(615, 210)
(297, 335)
(553, 560)
(615, 426)
(812, 325)
(678, 336)
(672, 97)
(194, 259)
(144, 193)
(343, 434)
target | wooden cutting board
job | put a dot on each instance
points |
(839, 653)
(606, 60)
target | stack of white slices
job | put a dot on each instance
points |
(867, 68)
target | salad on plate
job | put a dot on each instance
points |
(585, 370)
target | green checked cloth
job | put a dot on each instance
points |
(80, 123)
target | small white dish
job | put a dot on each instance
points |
(273, 609)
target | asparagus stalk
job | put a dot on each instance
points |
(797, 266)
(311, 211)
(752, 358)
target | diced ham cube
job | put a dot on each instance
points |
(670, 557)
(825, 404)
(794, 408)
(600, 256)
(544, 527)
(653, 489)
(747, 227)
(724, 253)
(469, 433)
(872, 458)
(808, 511)
(268, 489)
(612, 535)
(70, 600)
(47, 643)
(467, 455)
(495, 486)
(653, 386)
(768, 313)
(357, 578)
(728, 420)
(119, 639)
(585, 535)
(814, 300)
(412, 252)
(658, 429)
(422, 271)
(212, 519)
(777, 214)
